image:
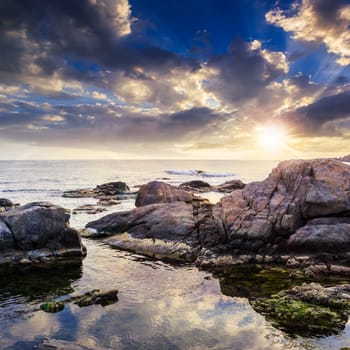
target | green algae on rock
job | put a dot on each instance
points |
(94, 297)
(307, 310)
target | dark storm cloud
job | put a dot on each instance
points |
(243, 72)
(314, 117)
(54, 34)
(100, 123)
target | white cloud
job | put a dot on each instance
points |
(314, 21)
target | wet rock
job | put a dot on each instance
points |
(88, 209)
(172, 221)
(36, 232)
(6, 204)
(310, 309)
(107, 202)
(161, 192)
(6, 237)
(196, 186)
(229, 186)
(302, 207)
(181, 228)
(110, 190)
(154, 248)
(94, 297)
(54, 344)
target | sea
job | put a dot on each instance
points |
(161, 305)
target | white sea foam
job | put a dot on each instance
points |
(198, 173)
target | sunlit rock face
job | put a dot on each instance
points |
(294, 195)
(303, 206)
(36, 232)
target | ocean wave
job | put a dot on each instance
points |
(198, 173)
(218, 174)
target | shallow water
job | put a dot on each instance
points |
(160, 306)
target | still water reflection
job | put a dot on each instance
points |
(160, 307)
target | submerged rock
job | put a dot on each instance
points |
(111, 190)
(161, 192)
(88, 209)
(95, 297)
(307, 310)
(37, 232)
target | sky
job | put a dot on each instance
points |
(191, 79)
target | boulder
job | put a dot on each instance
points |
(175, 231)
(196, 186)
(295, 192)
(161, 192)
(229, 186)
(6, 204)
(111, 190)
(37, 231)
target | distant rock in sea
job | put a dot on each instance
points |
(109, 189)
(37, 233)
(300, 210)
(108, 194)
(345, 159)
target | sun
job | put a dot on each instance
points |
(272, 137)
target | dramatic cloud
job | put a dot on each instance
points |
(323, 21)
(325, 114)
(244, 71)
(88, 73)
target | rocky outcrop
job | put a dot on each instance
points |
(301, 208)
(264, 215)
(37, 232)
(310, 309)
(111, 190)
(345, 159)
(161, 192)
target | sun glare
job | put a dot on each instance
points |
(271, 137)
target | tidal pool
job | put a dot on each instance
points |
(161, 306)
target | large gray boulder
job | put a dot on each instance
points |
(38, 230)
